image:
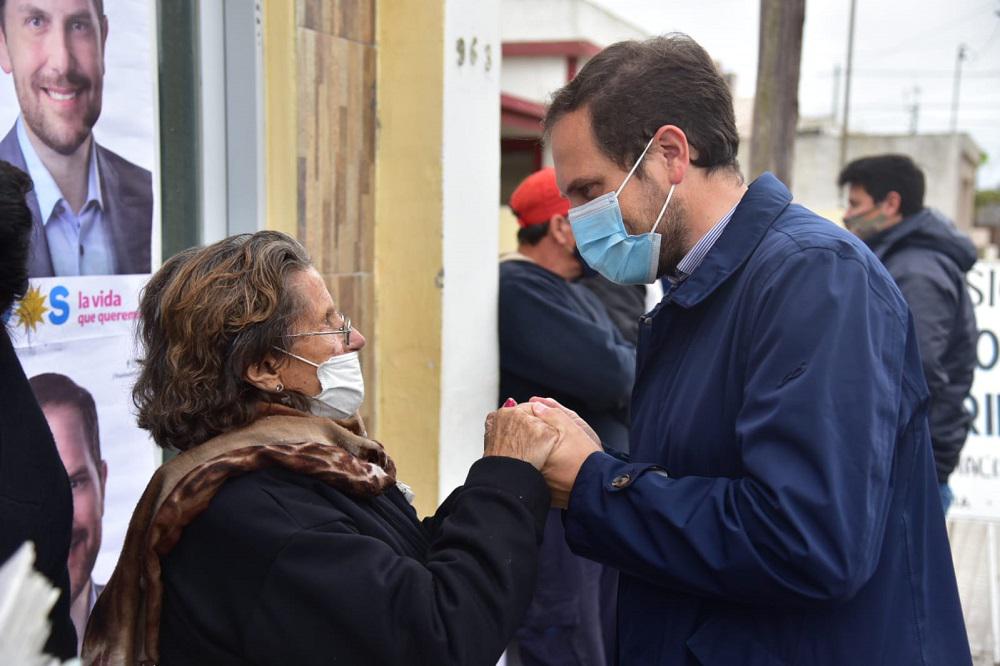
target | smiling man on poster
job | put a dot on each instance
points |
(92, 209)
(71, 413)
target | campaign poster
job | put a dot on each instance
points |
(78, 115)
(75, 338)
(976, 480)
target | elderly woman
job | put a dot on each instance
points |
(280, 534)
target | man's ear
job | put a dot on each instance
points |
(4, 53)
(102, 473)
(104, 40)
(561, 231)
(673, 151)
(892, 204)
(264, 375)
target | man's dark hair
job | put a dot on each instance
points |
(881, 174)
(15, 234)
(532, 234)
(631, 89)
(98, 5)
(51, 388)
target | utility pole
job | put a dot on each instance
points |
(957, 84)
(835, 102)
(845, 121)
(776, 102)
(914, 109)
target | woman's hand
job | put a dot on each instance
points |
(515, 432)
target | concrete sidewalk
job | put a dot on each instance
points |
(969, 550)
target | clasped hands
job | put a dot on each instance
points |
(549, 436)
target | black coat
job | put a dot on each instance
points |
(928, 258)
(283, 569)
(36, 503)
(557, 340)
(625, 303)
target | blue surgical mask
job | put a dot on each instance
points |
(587, 271)
(605, 243)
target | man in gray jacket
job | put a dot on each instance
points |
(928, 258)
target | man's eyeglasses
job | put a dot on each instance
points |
(344, 330)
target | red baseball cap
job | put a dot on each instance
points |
(537, 199)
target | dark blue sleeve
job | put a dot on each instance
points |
(543, 336)
(805, 521)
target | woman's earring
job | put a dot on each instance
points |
(279, 388)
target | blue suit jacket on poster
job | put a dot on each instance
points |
(127, 192)
(781, 505)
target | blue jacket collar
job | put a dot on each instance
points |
(763, 202)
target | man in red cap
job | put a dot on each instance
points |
(557, 340)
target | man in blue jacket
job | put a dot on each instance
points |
(556, 339)
(928, 258)
(780, 506)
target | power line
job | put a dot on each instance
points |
(996, 30)
(940, 107)
(936, 30)
(920, 73)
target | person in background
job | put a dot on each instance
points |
(556, 339)
(928, 258)
(72, 417)
(35, 500)
(625, 303)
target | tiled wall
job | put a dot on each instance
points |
(336, 153)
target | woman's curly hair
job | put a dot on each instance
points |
(205, 317)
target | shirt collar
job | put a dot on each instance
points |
(762, 204)
(689, 264)
(45, 187)
(92, 596)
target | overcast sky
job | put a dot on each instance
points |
(899, 45)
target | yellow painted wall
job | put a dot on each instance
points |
(280, 109)
(508, 230)
(319, 81)
(408, 238)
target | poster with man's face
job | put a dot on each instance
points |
(74, 338)
(77, 113)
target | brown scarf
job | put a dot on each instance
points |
(124, 626)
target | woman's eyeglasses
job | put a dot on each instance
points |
(344, 330)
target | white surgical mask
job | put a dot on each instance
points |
(342, 386)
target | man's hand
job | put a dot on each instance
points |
(583, 425)
(574, 445)
(514, 432)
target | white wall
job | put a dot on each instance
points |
(471, 182)
(563, 20)
(533, 78)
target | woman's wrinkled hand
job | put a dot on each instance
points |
(515, 432)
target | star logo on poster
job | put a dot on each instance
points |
(31, 309)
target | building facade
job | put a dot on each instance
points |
(367, 130)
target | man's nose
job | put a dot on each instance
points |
(58, 50)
